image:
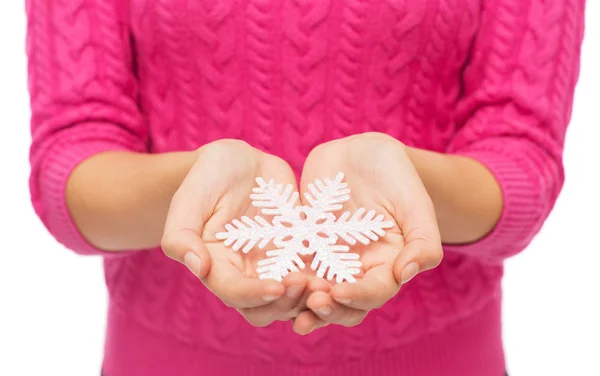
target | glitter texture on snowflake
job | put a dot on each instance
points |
(305, 230)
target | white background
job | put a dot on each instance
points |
(53, 303)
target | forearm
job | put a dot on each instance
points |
(119, 200)
(466, 196)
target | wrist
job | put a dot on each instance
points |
(433, 168)
(119, 200)
(175, 166)
(466, 196)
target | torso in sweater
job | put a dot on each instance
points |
(287, 75)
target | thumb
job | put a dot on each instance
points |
(422, 241)
(186, 246)
(181, 239)
(419, 254)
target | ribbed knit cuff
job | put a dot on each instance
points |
(54, 173)
(523, 178)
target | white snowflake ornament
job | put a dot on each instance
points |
(305, 230)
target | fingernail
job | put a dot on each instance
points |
(325, 311)
(193, 263)
(312, 330)
(344, 301)
(269, 298)
(293, 291)
(410, 271)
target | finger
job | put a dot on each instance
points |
(295, 284)
(376, 287)
(185, 246)
(284, 308)
(307, 322)
(181, 239)
(327, 309)
(318, 284)
(238, 291)
(419, 254)
(423, 245)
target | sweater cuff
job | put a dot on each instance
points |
(54, 173)
(524, 207)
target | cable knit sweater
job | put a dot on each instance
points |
(488, 79)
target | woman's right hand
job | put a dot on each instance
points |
(215, 191)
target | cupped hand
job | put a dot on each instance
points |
(215, 191)
(381, 177)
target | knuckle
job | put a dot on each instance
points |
(169, 245)
(355, 321)
(259, 321)
(437, 255)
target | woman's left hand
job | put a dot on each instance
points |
(381, 177)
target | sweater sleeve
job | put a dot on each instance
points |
(518, 93)
(83, 100)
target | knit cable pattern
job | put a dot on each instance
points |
(261, 52)
(491, 80)
(348, 101)
(304, 68)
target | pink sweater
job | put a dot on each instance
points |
(489, 79)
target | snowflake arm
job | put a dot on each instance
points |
(273, 199)
(249, 232)
(336, 262)
(329, 195)
(365, 228)
(279, 263)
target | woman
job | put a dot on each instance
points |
(151, 119)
